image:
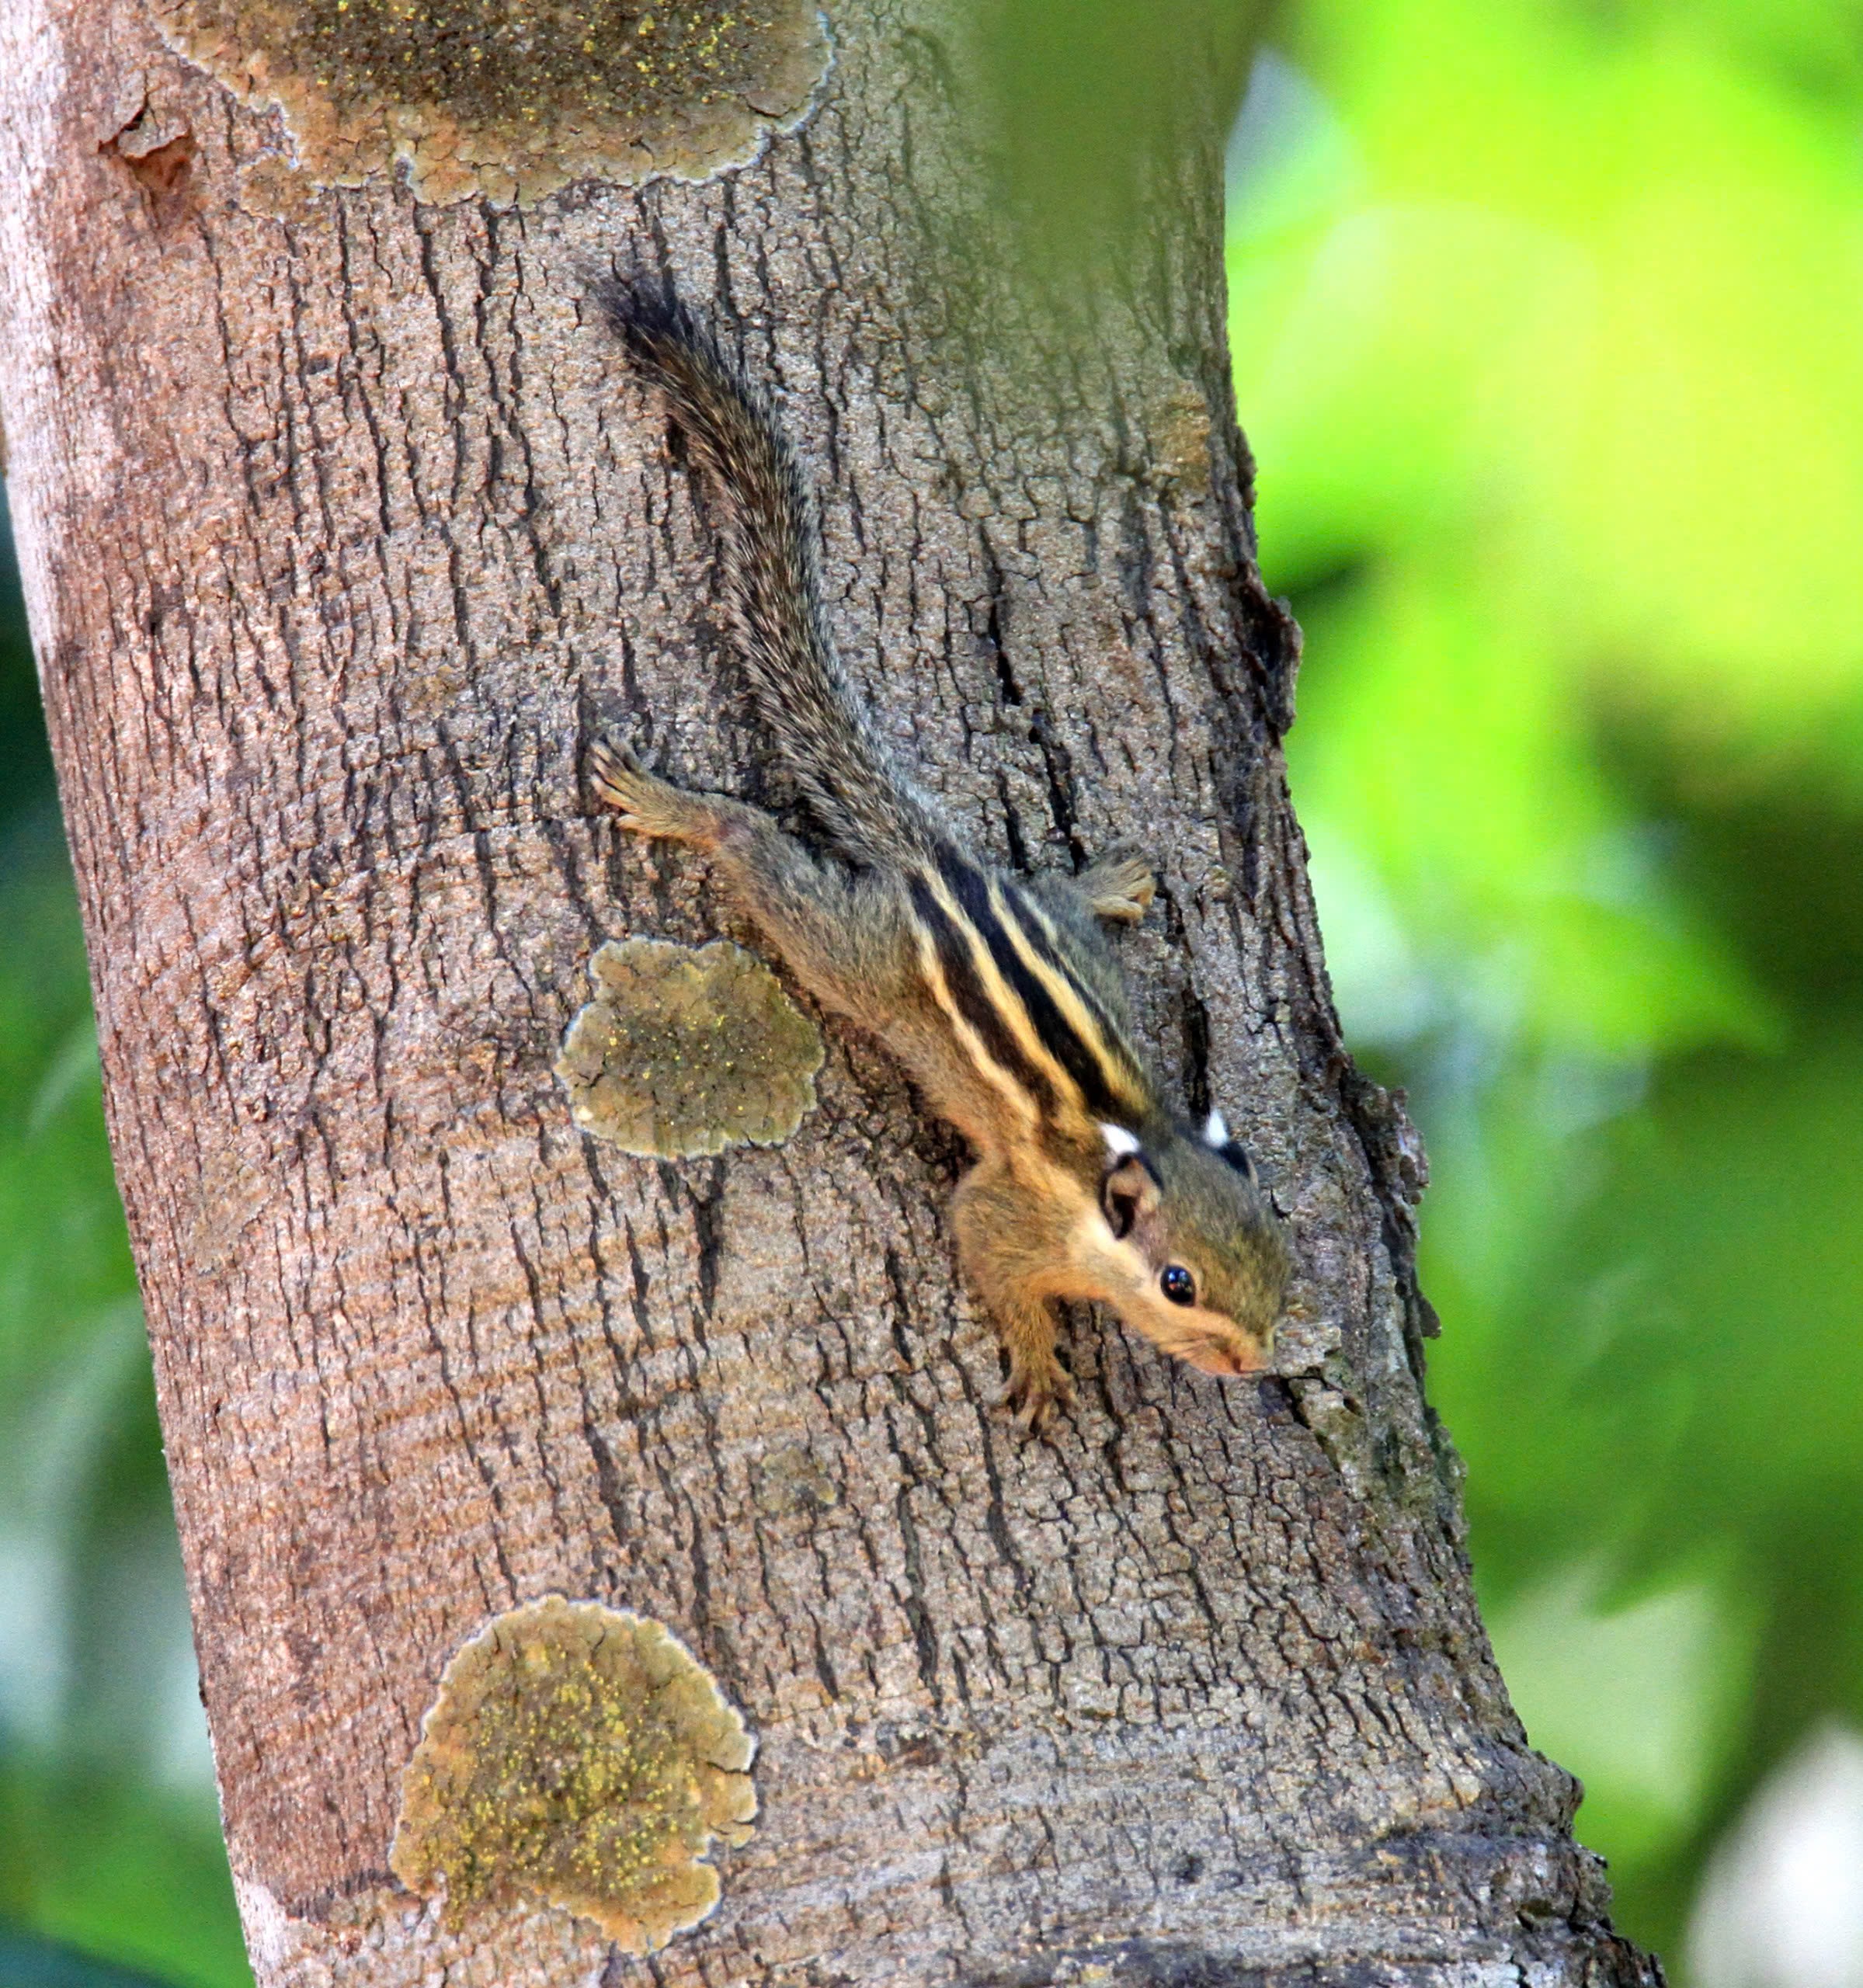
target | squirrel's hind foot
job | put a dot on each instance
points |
(647, 804)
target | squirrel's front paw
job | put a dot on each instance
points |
(1036, 1390)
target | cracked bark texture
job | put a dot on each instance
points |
(342, 533)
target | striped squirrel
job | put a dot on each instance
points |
(998, 993)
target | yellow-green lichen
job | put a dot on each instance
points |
(684, 1052)
(511, 98)
(579, 1757)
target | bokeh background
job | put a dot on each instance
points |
(1547, 325)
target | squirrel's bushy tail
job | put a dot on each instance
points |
(845, 774)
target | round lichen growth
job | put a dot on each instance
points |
(580, 1757)
(510, 98)
(685, 1052)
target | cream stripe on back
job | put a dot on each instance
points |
(1004, 1000)
(968, 1039)
(1114, 1059)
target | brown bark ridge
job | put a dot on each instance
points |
(343, 531)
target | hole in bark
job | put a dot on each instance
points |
(159, 157)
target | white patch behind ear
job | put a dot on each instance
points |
(1215, 1130)
(1119, 1143)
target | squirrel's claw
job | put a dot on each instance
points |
(647, 804)
(612, 771)
(1033, 1395)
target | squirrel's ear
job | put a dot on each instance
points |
(1128, 1192)
(1216, 1137)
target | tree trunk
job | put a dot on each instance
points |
(343, 533)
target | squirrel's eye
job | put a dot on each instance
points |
(1177, 1284)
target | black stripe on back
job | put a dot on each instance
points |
(1057, 1036)
(974, 1003)
(1031, 922)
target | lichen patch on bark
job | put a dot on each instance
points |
(511, 98)
(583, 1757)
(685, 1052)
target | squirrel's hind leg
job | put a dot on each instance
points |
(649, 805)
(845, 935)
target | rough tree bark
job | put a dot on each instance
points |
(342, 533)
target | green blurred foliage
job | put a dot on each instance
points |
(26, 1962)
(1545, 324)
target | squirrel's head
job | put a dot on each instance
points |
(1193, 1255)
